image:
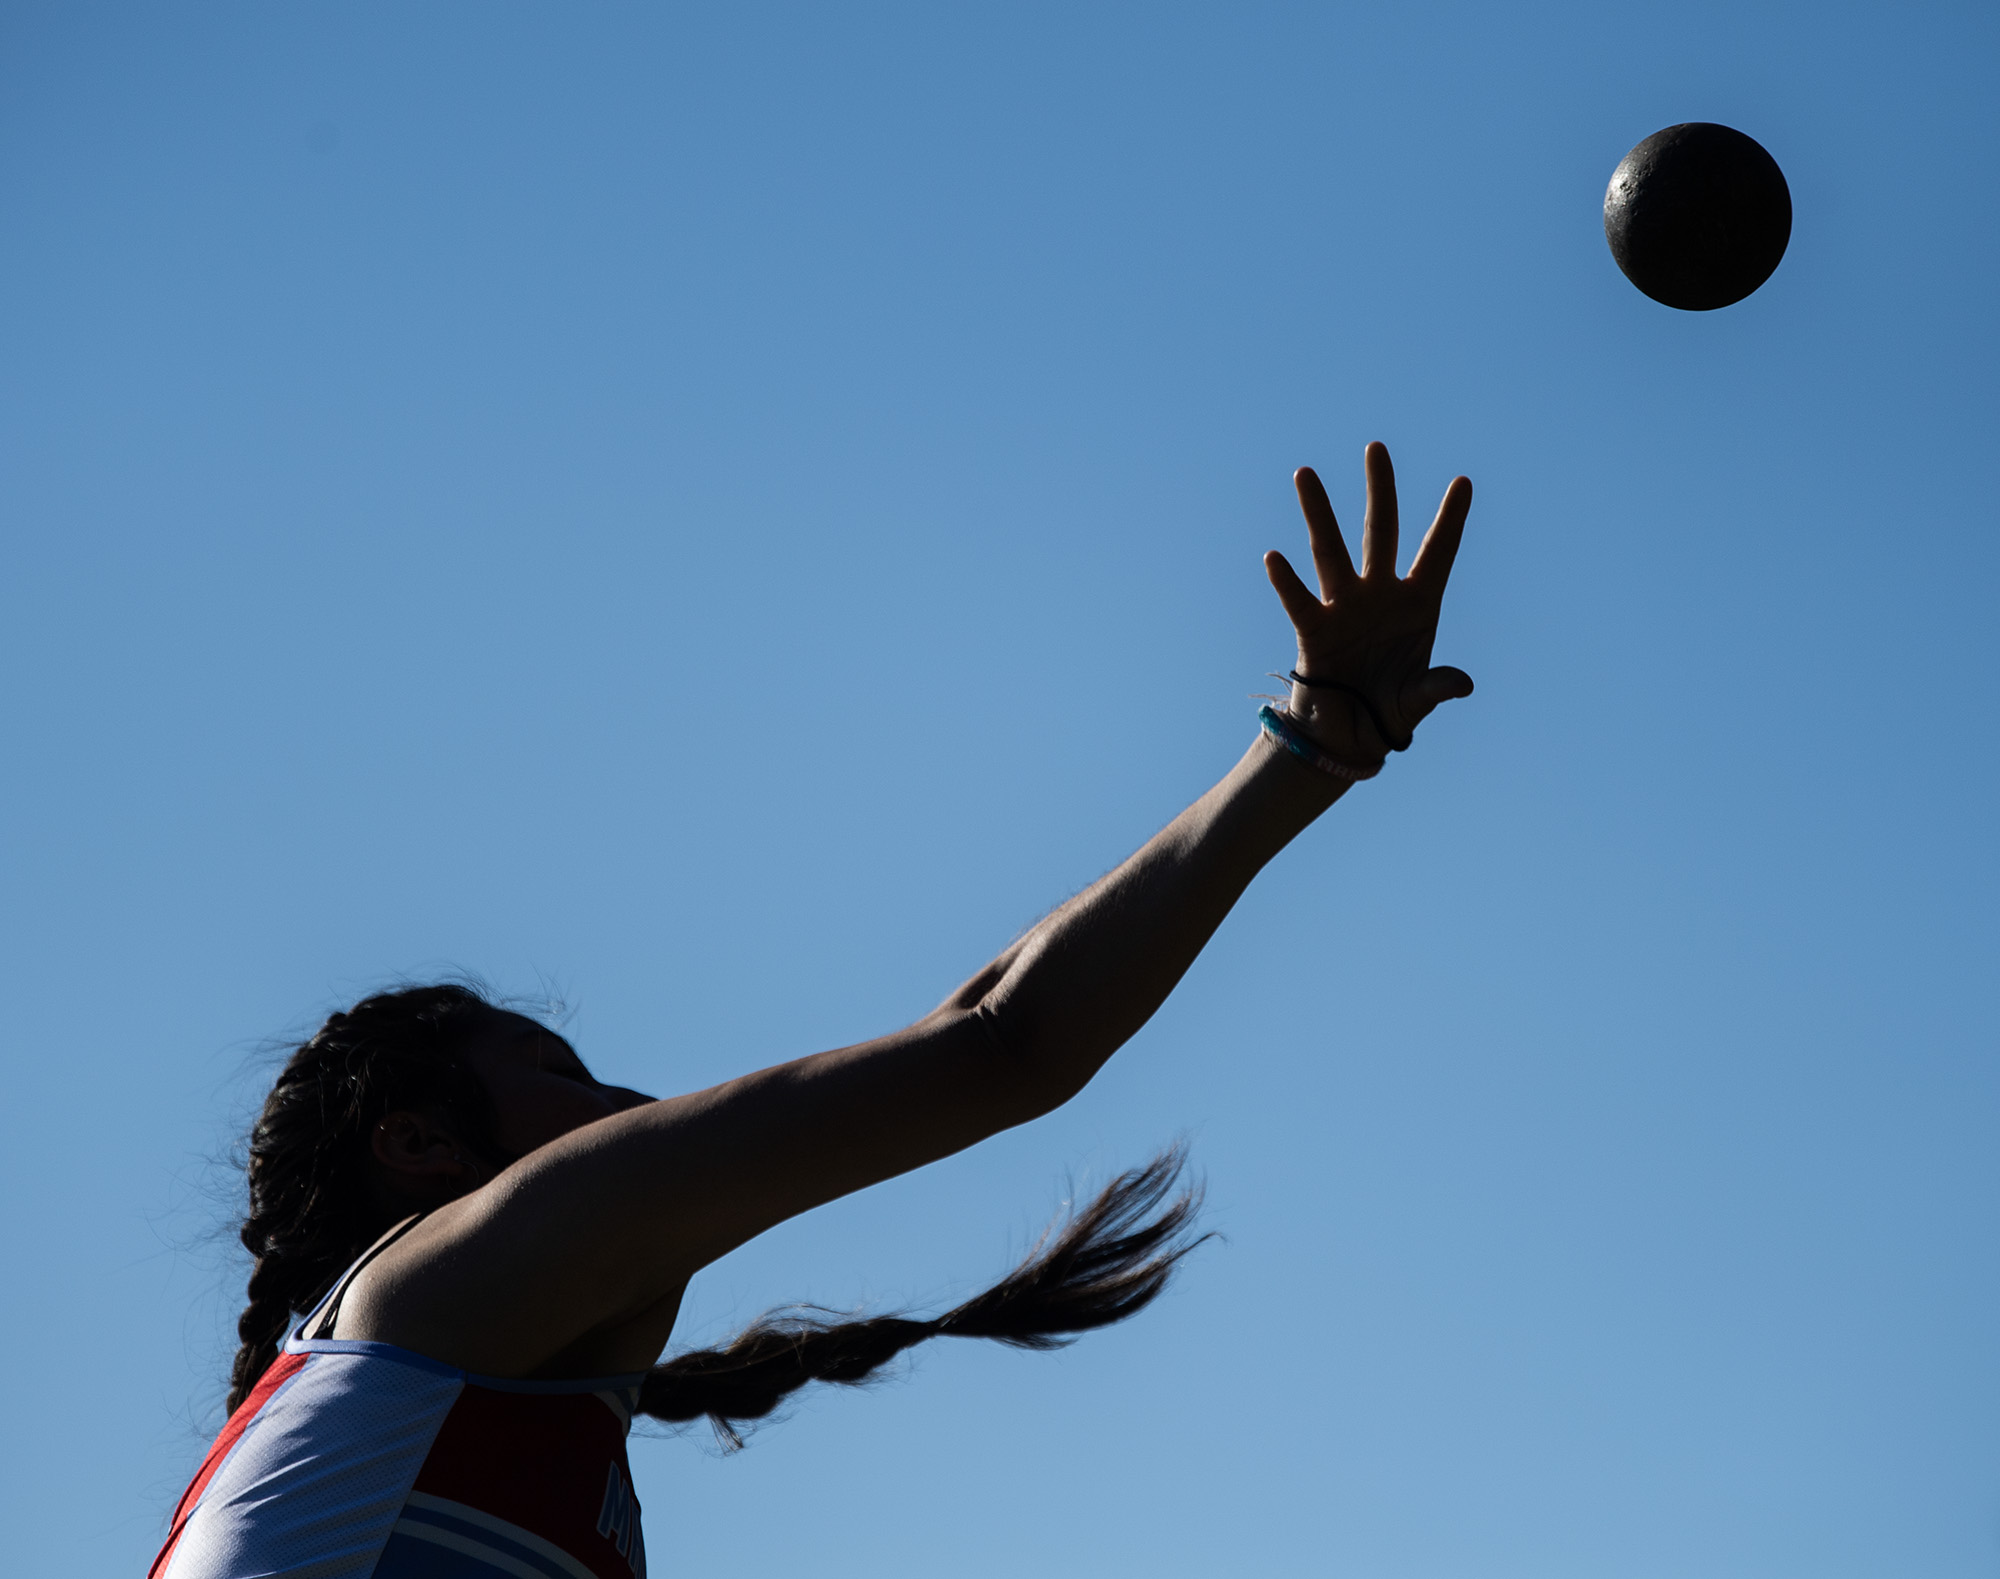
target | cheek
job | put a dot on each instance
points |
(535, 1111)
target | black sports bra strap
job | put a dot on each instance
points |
(328, 1310)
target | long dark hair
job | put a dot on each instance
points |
(312, 1213)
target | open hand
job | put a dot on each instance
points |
(1365, 639)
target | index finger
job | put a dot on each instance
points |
(1329, 548)
(1432, 567)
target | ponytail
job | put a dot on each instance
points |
(1106, 1262)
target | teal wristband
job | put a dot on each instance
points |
(1282, 733)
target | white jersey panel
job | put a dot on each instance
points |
(281, 1504)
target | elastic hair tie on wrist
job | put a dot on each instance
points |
(1367, 706)
(1307, 751)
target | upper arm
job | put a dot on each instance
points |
(605, 1223)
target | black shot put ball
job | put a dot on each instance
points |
(1698, 216)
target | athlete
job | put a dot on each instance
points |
(469, 1252)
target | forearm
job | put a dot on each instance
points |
(1091, 973)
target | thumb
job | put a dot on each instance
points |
(1439, 686)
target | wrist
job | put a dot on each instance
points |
(1288, 734)
(1327, 719)
(1343, 718)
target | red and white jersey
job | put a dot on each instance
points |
(359, 1459)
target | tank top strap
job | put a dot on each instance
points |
(320, 1319)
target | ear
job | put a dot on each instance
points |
(421, 1157)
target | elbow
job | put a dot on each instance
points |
(1039, 1077)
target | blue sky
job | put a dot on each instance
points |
(728, 513)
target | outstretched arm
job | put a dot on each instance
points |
(601, 1228)
(1069, 993)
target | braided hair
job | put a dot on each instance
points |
(312, 1214)
(1107, 1261)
